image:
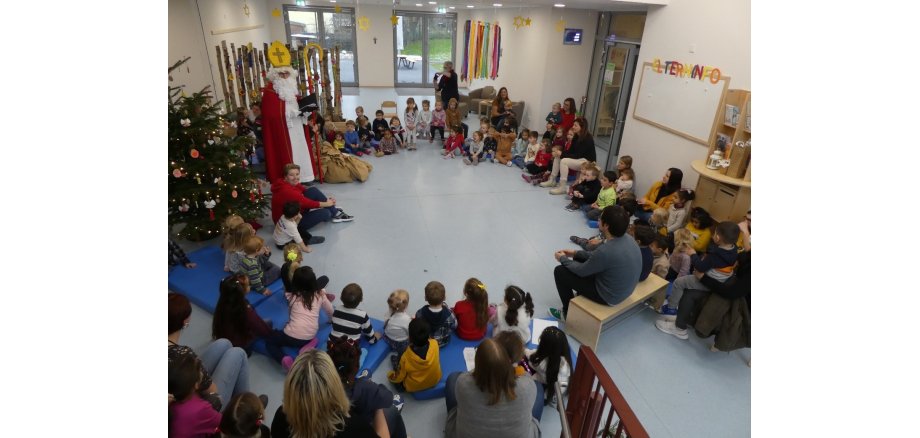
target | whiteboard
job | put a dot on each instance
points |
(685, 106)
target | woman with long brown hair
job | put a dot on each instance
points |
(491, 401)
(572, 157)
(498, 107)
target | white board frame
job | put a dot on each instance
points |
(674, 103)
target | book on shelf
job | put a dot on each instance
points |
(731, 115)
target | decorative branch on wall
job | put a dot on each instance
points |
(478, 61)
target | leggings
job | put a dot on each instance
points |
(533, 169)
(440, 129)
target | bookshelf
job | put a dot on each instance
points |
(726, 193)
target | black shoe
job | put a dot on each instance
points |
(342, 217)
(315, 240)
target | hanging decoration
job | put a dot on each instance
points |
(520, 22)
(394, 19)
(338, 9)
(364, 23)
(276, 13)
(246, 9)
(481, 50)
(560, 25)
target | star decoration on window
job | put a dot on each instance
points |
(338, 9)
(394, 19)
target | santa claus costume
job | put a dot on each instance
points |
(284, 133)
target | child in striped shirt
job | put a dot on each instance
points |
(351, 321)
(259, 277)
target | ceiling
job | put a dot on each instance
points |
(459, 5)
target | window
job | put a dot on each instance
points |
(327, 28)
(422, 42)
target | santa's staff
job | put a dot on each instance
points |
(317, 140)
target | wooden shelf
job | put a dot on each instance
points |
(700, 167)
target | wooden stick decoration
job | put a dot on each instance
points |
(247, 67)
(231, 93)
(223, 80)
(240, 77)
(327, 87)
(337, 84)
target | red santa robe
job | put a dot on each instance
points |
(275, 136)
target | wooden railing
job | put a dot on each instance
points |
(593, 397)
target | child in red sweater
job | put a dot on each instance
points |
(454, 142)
(537, 170)
(472, 312)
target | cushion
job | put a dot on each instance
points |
(201, 285)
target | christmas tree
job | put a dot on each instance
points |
(209, 176)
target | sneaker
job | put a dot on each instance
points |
(467, 161)
(548, 183)
(398, 403)
(510, 164)
(527, 177)
(316, 240)
(363, 374)
(264, 399)
(378, 154)
(557, 313)
(445, 157)
(557, 191)
(580, 241)
(287, 362)
(342, 217)
(571, 207)
(670, 328)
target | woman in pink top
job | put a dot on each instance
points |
(304, 303)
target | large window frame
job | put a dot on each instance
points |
(427, 76)
(321, 30)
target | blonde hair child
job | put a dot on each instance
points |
(680, 257)
(659, 221)
(293, 257)
(229, 245)
(396, 329)
(233, 246)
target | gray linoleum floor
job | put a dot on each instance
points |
(421, 218)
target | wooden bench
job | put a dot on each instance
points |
(587, 319)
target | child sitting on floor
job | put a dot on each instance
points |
(233, 242)
(365, 135)
(475, 152)
(286, 229)
(380, 125)
(305, 299)
(244, 417)
(644, 236)
(350, 321)
(439, 317)
(512, 343)
(259, 276)
(420, 365)
(339, 141)
(472, 311)
(552, 361)
(625, 182)
(661, 262)
(388, 144)
(537, 170)
(514, 313)
(489, 146)
(189, 414)
(605, 198)
(700, 225)
(531, 148)
(585, 193)
(397, 326)
(454, 143)
(438, 121)
(505, 142)
(677, 211)
(352, 139)
(293, 257)
(679, 262)
(659, 221)
(399, 133)
(519, 150)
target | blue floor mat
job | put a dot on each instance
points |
(201, 285)
(276, 309)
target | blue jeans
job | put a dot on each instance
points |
(642, 214)
(228, 367)
(313, 217)
(450, 395)
(518, 161)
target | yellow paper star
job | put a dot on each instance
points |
(394, 19)
(364, 23)
(246, 9)
(338, 9)
(560, 25)
(527, 21)
(518, 22)
(276, 13)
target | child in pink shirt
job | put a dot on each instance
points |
(304, 301)
(191, 416)
(438, 120)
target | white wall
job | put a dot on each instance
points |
(720, 30)
(186, 40)
(535, 66)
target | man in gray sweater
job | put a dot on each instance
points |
(607, 275)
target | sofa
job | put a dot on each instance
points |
(478, 95)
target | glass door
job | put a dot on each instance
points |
(421, 44)
(327, 28)
(614, 84)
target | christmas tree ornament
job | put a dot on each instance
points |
(217, 181)
(194, 154)
(234, 194)
(210, 204)
(183, 207)
(177, 173)
(198, 178)
(245, 162)
(252, 195)
(185, 123)
(211, 140)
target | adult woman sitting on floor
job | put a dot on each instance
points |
(490, 401)
(315, 404)
(661, 195)
(572, 157)
(226, 368)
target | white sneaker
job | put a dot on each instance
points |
(670, 328)
(548, 183)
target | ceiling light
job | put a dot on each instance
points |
(451, 7)
(470, 6)
(418, 4)
(332, 1)
(497, 5)
(432, 3)
(559, 5)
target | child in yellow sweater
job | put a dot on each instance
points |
(420, 364)
(699, 226)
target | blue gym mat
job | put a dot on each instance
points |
(452, 360)
(201, 285)
(276, 309)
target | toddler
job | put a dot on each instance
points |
(519, 151)
(397, 326)
(365, 135)
(286, 229)
(352, 139)
(537, 170)
(233, 241)
(339, 142)
(454, 118)
(625, 182)
(514, 313)
(244, 417)
(550, 132)
(259, 276)
(359, 112)
(454, 142)
(560, 139)
(555, 116)
(512, 343)
(661, 262)
(380, 125)
(420, 364)
(411, 116)
(349, 320)
(189, 414)
(699, 226)
(398, 132)
(388, 144)
(439, 317)
(677, 211)
(475, 151)
(532, 147)
(584, 194)
(659, 221)
(605, 198)
(472, 311)
(489, 146)
(305, 299)
(438, 121)
(424, 120)
(505, 141)
(680, 258)
(644, 236)
(177, 256)
(293, 257)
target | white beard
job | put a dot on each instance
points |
(287, 91)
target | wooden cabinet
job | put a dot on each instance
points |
(725, 198)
